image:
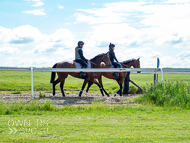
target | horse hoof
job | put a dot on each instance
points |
(108, 95)
(115, 94)
(86, 93)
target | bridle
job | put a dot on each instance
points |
(138, 63)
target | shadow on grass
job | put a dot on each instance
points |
(74, 100)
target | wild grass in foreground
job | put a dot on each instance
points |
(98, 122)
(168, 94)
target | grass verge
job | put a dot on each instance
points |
(168, 94)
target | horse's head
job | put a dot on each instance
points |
(137, 64)
(102, 58)
(106, 59)
(133, 62)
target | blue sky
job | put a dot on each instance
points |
(42, 32)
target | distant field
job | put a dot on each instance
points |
(20, 81)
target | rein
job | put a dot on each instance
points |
(92, 63)
(124, 65)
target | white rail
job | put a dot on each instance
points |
(145, 70)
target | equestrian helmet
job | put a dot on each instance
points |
(111, 46)
(80, 43)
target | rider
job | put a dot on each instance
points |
(79, 56)
(112, 58)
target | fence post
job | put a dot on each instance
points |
(155, 78)
(32, 82)
(126, 84)
(161, 75)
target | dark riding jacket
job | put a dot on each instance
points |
(112, 56)
(79, 55)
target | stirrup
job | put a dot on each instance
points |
(115, 76)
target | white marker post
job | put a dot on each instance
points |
(32, 82)
(158, 64)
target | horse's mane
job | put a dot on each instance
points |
(128, 61)
(97, 57)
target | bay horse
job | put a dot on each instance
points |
(91, 76)
(120, 79)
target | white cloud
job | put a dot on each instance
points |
(177, 1)
(29, 47)
(142, 28)
(38, 3)
(35, 12)
(61, 7)
(9, 50)
(158, 21)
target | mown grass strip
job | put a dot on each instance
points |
(97, 122)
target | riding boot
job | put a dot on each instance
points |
(116, 75)
(83, 74)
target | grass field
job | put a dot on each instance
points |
(20, 81)
(150, 121)
(98, 122)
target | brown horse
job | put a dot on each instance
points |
(91, 76)
(120, 79)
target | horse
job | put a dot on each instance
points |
(120, 79)
(91, 76)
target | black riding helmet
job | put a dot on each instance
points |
(111, 46)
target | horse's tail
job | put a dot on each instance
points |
(53, 74)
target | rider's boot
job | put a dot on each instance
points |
(83, 74)
(116, 75)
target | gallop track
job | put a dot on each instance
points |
(71, 99)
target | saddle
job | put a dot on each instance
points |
(79, 66)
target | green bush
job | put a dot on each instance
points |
(41, 95)
(16, 92)
(166, 94)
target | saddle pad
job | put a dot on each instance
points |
(78, 66)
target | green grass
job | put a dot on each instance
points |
(42, 95)
(16, 92)
(20, 81)
(167, 94)
(97, 122)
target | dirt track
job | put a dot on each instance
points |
(72, 99)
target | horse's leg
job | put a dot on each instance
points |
(120, 82)
(100, 81)
(117, 92)
(121, 90)
(83, 86)
(101, 90)
(54, 84)
(61, 86)
(89, 85)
